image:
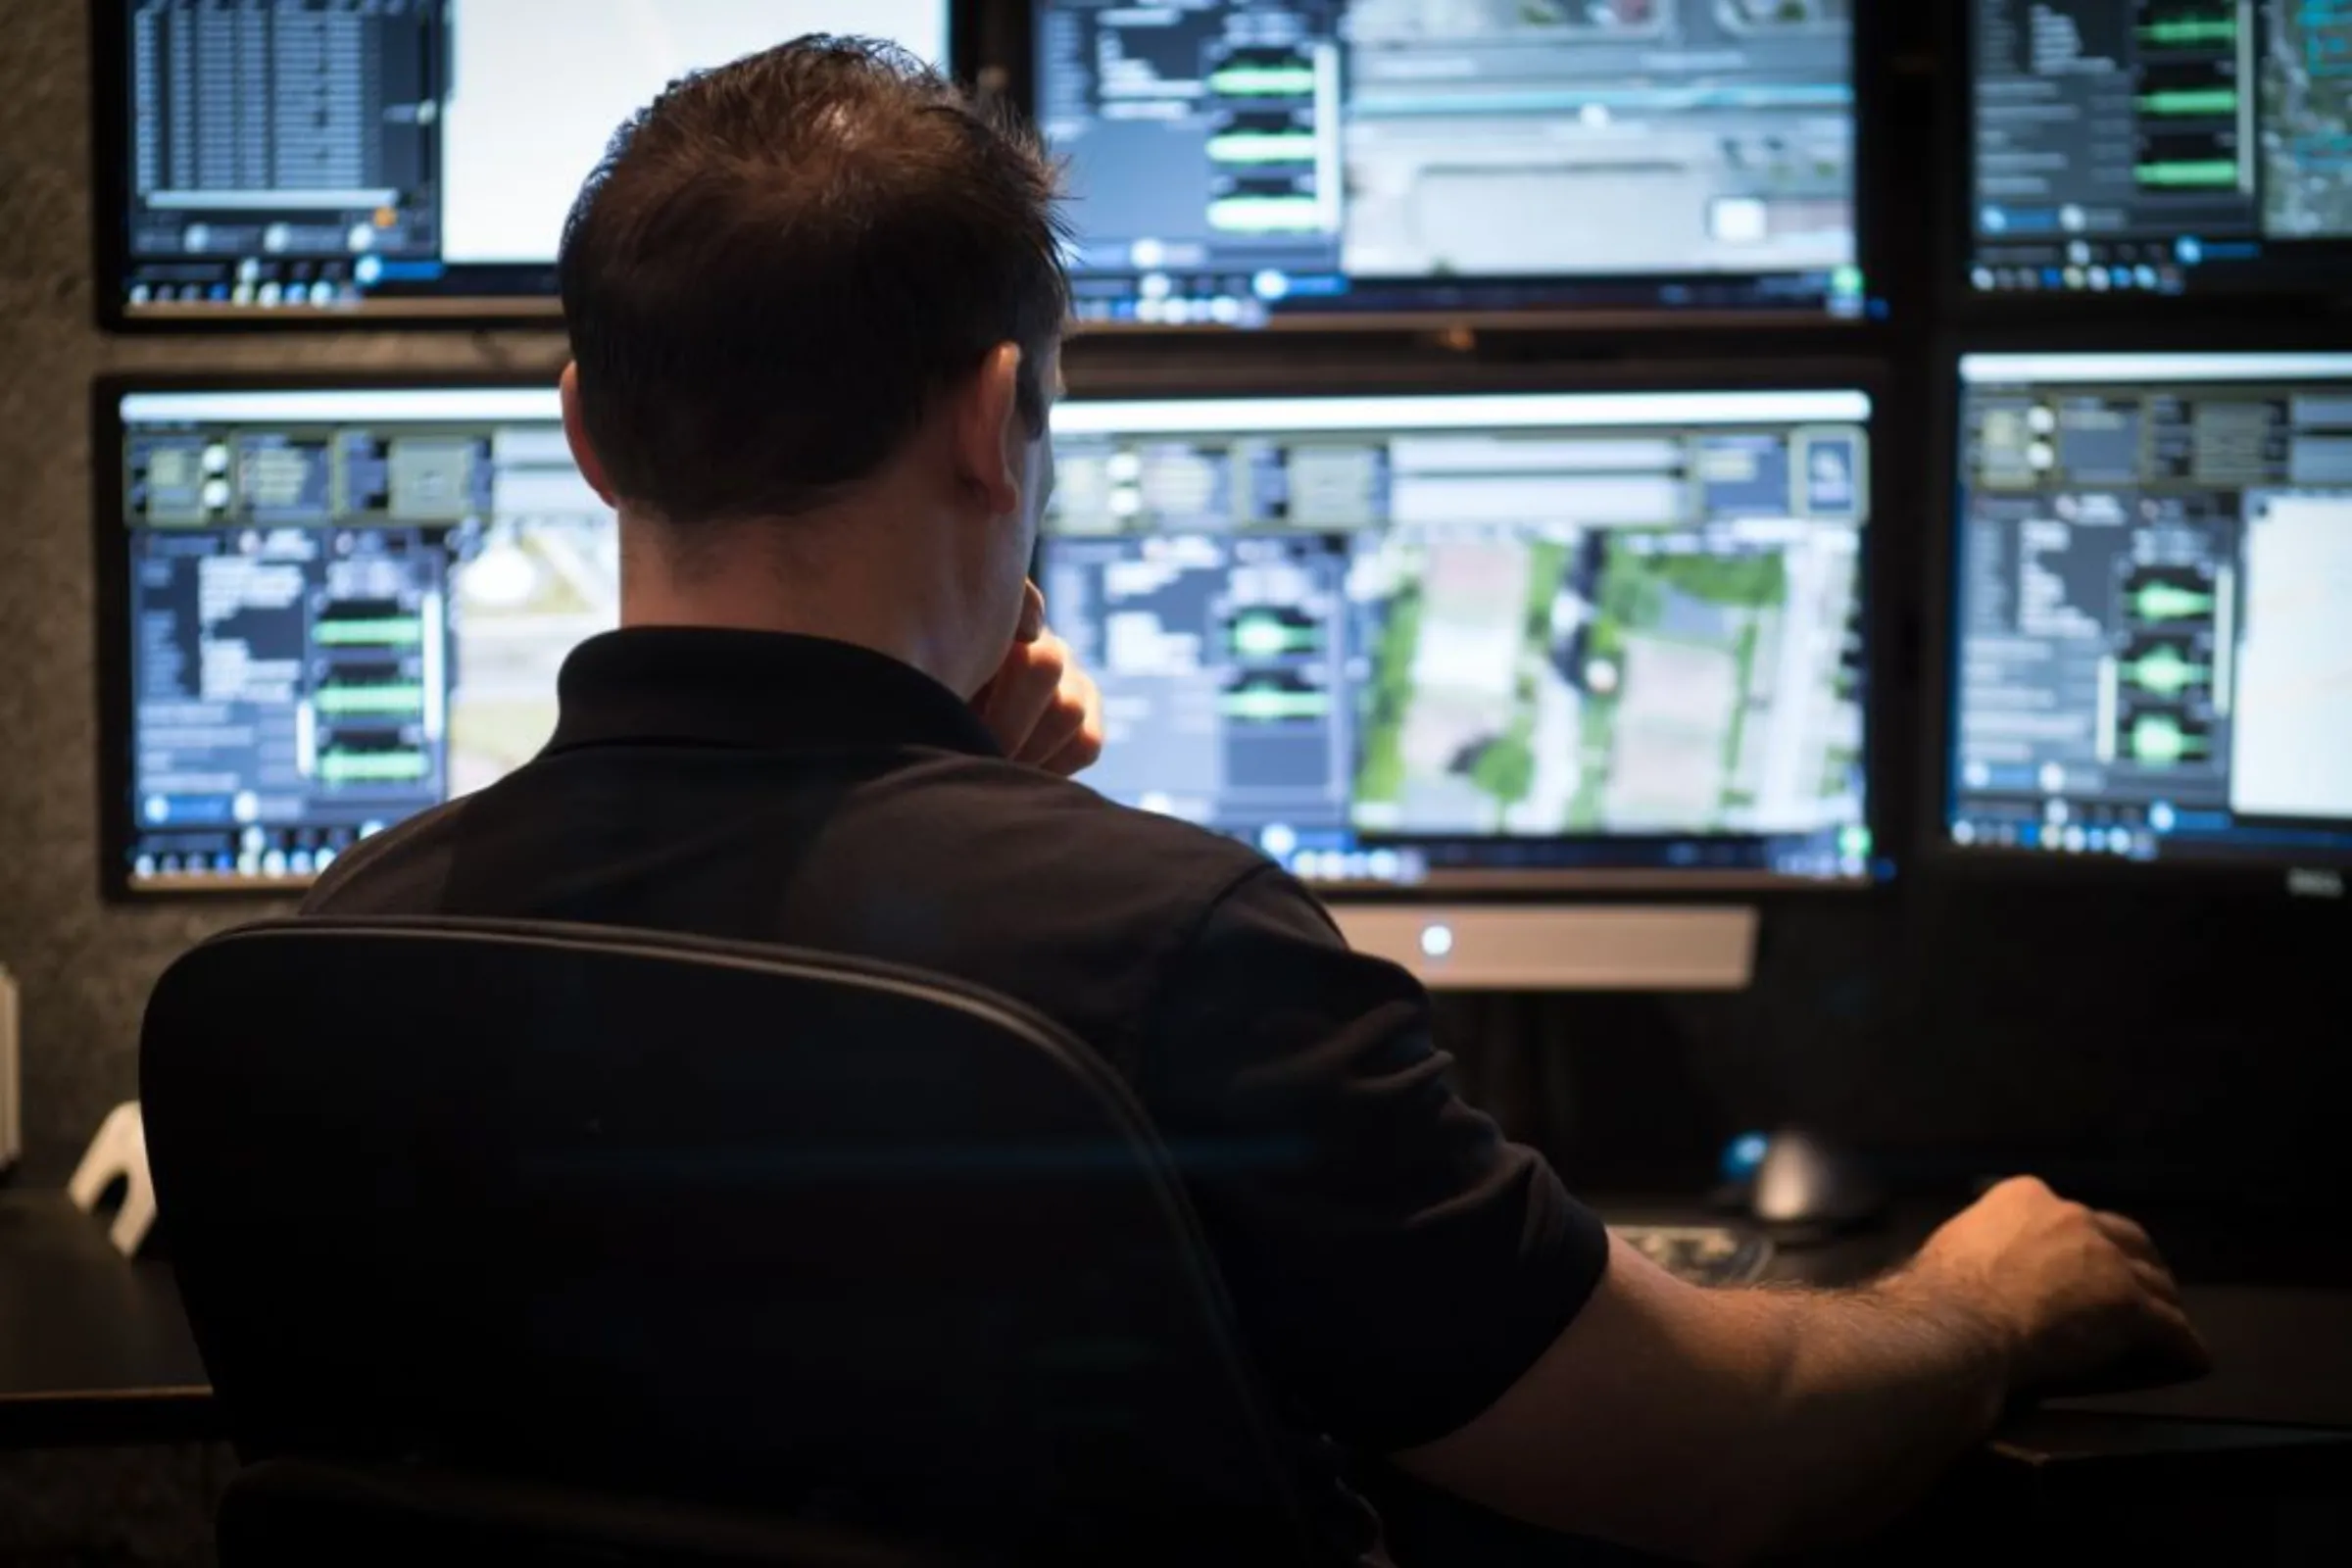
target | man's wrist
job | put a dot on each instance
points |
(1962, 1310)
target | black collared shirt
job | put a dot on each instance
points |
(1394, 1278)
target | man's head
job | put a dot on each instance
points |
(814, 282)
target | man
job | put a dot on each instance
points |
(814, 301)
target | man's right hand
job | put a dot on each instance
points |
(1043, 709)
(1726, 1425)
(2080, 1298)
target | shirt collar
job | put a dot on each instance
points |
(714, 687)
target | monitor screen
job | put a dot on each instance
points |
(399, 157)
(341, 608)
(1480, 640)
(2173, 146)
(1237, 161)
(2152, 598)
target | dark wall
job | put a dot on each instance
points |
(2129, 1046)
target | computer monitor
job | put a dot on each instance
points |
(282, 160)
(1481, 643)
(2151, 601)
(2125, 147)
(1255, 162)
(328, 608)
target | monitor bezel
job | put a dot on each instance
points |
(2066, 310)
(1094, 378)
(1932, 849)
(109, 227)
(1874, 79)
(1884, 634)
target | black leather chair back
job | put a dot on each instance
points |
(729, 1224)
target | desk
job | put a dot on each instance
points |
(94, 1348)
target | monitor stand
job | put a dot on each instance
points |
(1606, 947)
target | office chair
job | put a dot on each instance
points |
(701, 1224)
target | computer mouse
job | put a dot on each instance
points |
(1803, 1180)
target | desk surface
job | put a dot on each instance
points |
(93, 1349)
(2280, 1356)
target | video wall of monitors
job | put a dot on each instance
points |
(1587, 606)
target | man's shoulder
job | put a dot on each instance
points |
(393, 873)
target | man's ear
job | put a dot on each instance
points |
(575, 432)
(987, 432)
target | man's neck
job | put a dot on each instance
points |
(743, 582)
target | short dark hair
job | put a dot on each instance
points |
(782, 261)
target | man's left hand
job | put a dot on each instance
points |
(1043, 710)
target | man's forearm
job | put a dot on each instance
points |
(1865, 1397)
(1724, 1425)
